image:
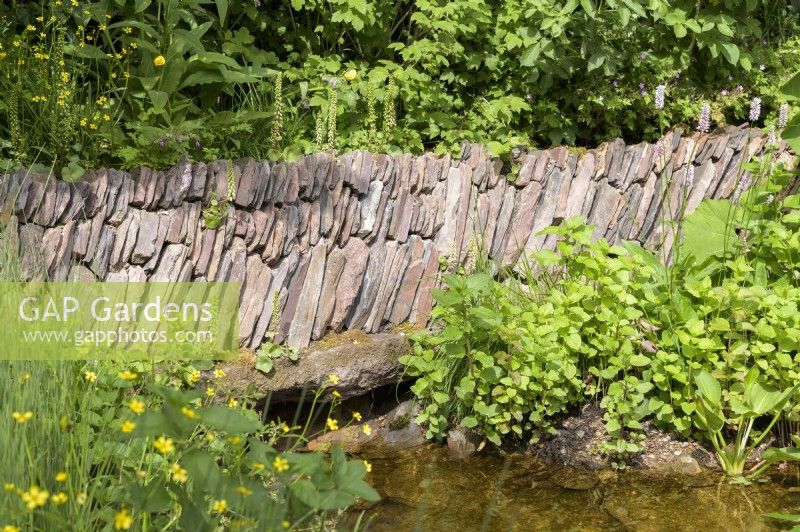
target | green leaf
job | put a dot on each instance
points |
(731, 52)
(708, 386)
(469, 422)
(222, 10)
(709, 230)
(228, 420)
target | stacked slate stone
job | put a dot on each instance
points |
(352, 242)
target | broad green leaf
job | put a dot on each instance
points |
(710, 229)
(228, 420)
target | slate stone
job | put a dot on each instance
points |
(334, 267)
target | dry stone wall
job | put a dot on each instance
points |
(355, 241)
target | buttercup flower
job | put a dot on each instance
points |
(22, 417)
(280, 464)
(178, 474)
(333, 379)
(194, 376)
(332, 424)
(136, 406)
(88, 376)
(366, 429)
(127, 426)
(59, 498)
(219, 506)
(123, 520)
(357, 416)
(368, 466)
(244, 490)
(218, 373)
(9, 528)
(159, 61)
(127, 375)
(164, 445)
(350, 75)
(34, 497)
(61, 476)
(188, 412)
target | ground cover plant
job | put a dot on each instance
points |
(129, 82)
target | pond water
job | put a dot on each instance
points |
(424, 489)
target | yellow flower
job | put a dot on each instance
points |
(164, 445)
(159, 61)
(89, 376)
(22, 417)
(136, 406)
(194, 376)
(178, 474)
(219, 506)
(350, 75)
(257, 466)
(232, 403)
(127, 375)
(210, 391)
(285, 428)
(244, 491)
(80, 498)
(30, 27)
(280, 464)
(285, 524)
(333, 379)
(368, 466)
(366, 429)
(26, 376)
(128, 30)
(8, 487)
(123, 520)
(218, 373)
(336, 394)
(357, 416)
(127, 426)
(188, 412)
(59, 498)
(83, 122)
(34, 497)
(64, 423)
(210, 436)
(61, 476)
(235, 440)
(332, 424)
(9, 528)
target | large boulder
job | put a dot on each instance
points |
(360, 363)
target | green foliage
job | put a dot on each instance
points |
(741, 405)
(706, 347)
(215, 213)
(150, 449)
(269, 352)
(128, 82)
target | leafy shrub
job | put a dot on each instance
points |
(128, 82)
(610, 323)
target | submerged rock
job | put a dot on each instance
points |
(360, 363)
(400, 429)
(462, 443)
